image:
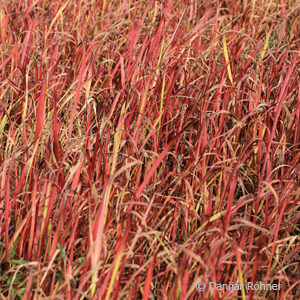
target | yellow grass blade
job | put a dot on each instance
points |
(227, 59)
(114, 274)
(265, 46)
(56, 16)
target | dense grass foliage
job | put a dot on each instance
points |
(147, 146)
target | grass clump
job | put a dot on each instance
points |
(148, 146)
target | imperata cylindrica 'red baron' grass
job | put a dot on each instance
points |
(149, 149)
